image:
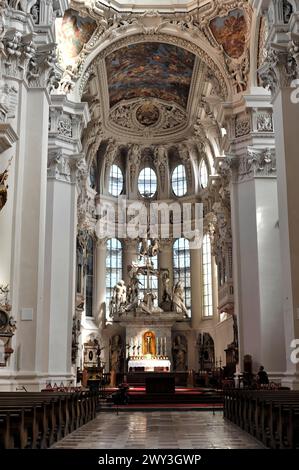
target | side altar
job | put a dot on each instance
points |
(148, 326)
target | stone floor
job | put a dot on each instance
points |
(159, 430)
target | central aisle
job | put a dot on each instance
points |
(159, 430)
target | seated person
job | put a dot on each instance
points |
(262, 376)
(121, 397)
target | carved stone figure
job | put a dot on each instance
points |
(134, 160)
(4, 291)
(116, 354)
(180, 354)
(3, 189)
(178, 304)
(167, 292)
(133, 287)
(154, 248)
(119, 299)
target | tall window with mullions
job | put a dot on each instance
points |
(89, 277)
(116, 181)
(114, 271)
(182, 268)
(147, 183)
(179, 181)
(207, 277)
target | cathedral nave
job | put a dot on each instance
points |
(149, 256)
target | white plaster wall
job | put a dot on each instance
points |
(223, 337)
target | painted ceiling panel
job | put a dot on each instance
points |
(150, 70)
(230, 32)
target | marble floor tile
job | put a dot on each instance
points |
(159, 430)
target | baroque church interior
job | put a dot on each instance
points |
(186, 111)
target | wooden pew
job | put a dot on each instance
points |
(38, 419)
(272, 416)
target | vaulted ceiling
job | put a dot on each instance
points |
(150, 78)
(150, 70)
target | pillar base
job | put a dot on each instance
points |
(291, 381)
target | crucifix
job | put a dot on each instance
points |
(148, 344)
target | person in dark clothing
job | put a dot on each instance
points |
(262, 376)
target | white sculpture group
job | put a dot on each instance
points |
(126, 298)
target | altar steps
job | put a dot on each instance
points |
(146, 407)
(138, 396)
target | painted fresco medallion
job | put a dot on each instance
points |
(147, 114)
(230, 32)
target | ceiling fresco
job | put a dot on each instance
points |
(147, 114)
(150, 70)
(72, 32)
(230, 32)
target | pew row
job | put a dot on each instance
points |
(37, 420)
(271, 416)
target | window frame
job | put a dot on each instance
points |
(183, 273)
(153, 172)
(110, 181)
(185, 184)
(207, 279)
(113, 273)
(89, 299)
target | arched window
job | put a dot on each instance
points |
(153, 281)
(114, 271)
(116, 181)
(181, 267)
(89, 276)
(207, 277)
(179, 181)
(203, 175)
(147, 182)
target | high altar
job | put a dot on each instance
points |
(148, 328)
